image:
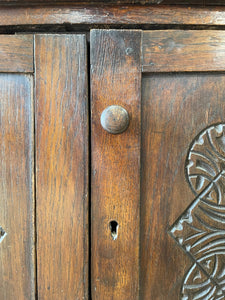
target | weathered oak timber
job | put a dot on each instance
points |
(16, 53)
(61, 166)
(17, 240)
(183, 50)
(115, 177)
(127, 15)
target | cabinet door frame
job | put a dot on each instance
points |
(44, 229)
(116, 56)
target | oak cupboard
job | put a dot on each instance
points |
(44, 167)
(112, 152)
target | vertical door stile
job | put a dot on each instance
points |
(62, 166)
(115, 167)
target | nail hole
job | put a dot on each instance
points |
(113, 225)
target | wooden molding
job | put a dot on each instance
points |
(99, 15)
(74, 2)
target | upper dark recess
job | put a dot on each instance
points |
(62, 2)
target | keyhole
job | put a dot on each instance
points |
(113, 225)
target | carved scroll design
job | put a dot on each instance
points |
(200, 230)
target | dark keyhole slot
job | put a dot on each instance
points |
(113, 225)
(2, 234)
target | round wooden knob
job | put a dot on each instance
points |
(115, 119)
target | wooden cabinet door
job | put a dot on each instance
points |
(158, 187)
(17, 231)
(43, 167)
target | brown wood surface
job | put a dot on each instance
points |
(115, 184)
(202, 3)
(179, 50)
(165, 2)
(175, 108)
(16, 53)
(187, 2)
(62, 166)
(62, 2)
(129, 14)
(17, 267)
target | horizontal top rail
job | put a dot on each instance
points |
(109, 14)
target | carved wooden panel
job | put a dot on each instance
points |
(200, 230)
(175, 108)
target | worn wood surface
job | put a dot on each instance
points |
(175, 108)
(16, 53)
(202, 3)
(128, 14)
(179, 50)
(115, 184)
(186, 2)
(165, 2)
(62, 2)
(17, 267)
(62, 166)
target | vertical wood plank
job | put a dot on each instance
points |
(62, 166)
(115, 79)
(17, 271)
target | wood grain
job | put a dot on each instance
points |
(58, 2)
(62, 166)
(115, 183)
(62, 2)
(175, 108)
(128, 14)
(179, 50)
(16, 53)
(17, 268)
(185, 2)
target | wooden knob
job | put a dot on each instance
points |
(115, 119)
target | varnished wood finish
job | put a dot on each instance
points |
(187, 2)
(80, 2)
(127, 15)
(16, 53)
(175, 108)
(17, 268)
(61, 2)
(115, 189)
(62, 166)
(179, 50)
